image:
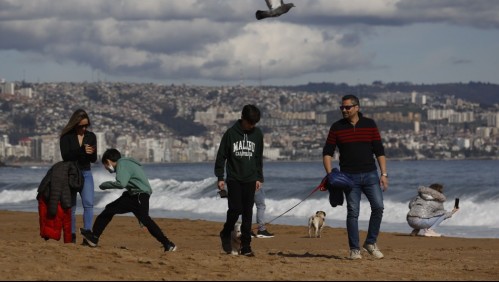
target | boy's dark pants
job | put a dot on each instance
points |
(241, 198)
(136, 204)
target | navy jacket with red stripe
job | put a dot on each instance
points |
(357, 144)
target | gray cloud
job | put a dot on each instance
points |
(218, 39)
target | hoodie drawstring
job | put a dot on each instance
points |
(246, 143)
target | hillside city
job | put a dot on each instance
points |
(184, 123)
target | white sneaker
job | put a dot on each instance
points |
(430, 233)
(355, 254)
(373, 250)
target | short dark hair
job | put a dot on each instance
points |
(354, 99)
(437, 186)
(251, 114)
(112, 155)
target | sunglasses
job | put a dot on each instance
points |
(347, 107)
(80, 126)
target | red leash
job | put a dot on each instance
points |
(321, 186)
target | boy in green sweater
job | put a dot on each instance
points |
(129, 176)
(240, 153)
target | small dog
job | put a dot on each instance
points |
(235, 236)
(316, 223)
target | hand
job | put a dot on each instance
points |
(455, 210)
(258, 185)
(89, 149)
(383, 181)
(221, 185)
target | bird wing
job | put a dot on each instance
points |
(272, 4)
(262, 14)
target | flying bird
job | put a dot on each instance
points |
(276, 8)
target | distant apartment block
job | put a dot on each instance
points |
(439, 114)
(7, 88)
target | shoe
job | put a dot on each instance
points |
(253, 235)
(355, 254)
(264, 234)
(226, 244)
(73, 238)
(373, 250)
(430, 233)
(414, 232)
(170, 247)
(246, 251)
(90, 237)
(85, 242)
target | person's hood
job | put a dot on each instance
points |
(239, 128)
(428, 193)
(128, 159)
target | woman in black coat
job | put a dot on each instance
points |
(79, 144)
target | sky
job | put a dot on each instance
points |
(220, 42)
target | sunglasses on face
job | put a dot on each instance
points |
(81, 126)
(347, 107)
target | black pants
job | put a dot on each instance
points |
(241, 197)
(136, 204)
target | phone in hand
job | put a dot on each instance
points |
(456, 203)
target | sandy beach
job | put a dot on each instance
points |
(127, 252)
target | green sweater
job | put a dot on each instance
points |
(241, 152)
(129, 176)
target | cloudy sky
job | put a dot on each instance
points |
(219, 42)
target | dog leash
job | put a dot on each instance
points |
(321, 186)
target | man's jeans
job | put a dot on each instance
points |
(367, 183)
(260, 209)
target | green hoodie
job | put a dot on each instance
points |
(129, 176)
(242, 153)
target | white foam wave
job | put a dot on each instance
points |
(193, 196)
(182, 188)
(17, 196)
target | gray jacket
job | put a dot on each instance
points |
(427, 204)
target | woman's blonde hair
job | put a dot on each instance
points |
(75, 119)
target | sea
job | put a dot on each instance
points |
(188, 191)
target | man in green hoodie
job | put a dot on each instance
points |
(129, 176)
(240, 153)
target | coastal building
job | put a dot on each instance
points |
(7, 88)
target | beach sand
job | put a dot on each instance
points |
(127, 252)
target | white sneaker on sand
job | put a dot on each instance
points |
(373, 250)
(355, 254)
(430, 233)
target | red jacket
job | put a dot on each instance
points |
(54, 200)
(51, 226)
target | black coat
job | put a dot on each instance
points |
(61, 179)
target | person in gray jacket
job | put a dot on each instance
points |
(427, 210)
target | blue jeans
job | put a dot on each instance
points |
(260, 209)
(367, 183)
(87, 201)
(425, 223)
